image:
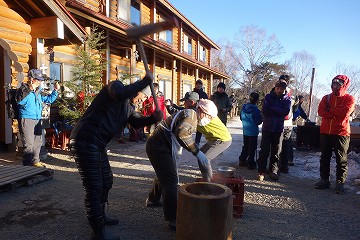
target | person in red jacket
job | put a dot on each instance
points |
(149, 106)
(335, 110)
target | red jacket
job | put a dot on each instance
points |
(149, 105)
(336, 110)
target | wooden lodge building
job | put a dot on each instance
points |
(43, 33)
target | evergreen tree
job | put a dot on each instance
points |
(87, 81)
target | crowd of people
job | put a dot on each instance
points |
(169, 128)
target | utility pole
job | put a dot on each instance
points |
(311, 89)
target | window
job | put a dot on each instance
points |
(166, 36)
(129, 10)
(202, 53)
(165, 87)
(123, 11)
(187, 44)
(186, 88)
(135, 13)
(55, 71)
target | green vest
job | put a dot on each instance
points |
(215, 130)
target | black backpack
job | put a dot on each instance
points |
(11, 104)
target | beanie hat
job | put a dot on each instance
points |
(208, 107)
(36, 74)
(284, 77)
(281, 83)
(199, 82)
(221, 85)
(254, 97)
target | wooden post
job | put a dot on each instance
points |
(204, 212)
(311, 88)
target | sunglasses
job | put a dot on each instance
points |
(338, 81)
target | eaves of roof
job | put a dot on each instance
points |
(188, 22)
(120, 27)
(65, 16)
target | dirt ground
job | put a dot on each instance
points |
(287, 209)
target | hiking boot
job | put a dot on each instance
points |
(242, 164)
(339, 188)
(284, 170)
(322, 184)
(153, 204)
(39, 165)
(99, 230)
(261, 177)
(274, 176)
(109, 220)
(291, 163)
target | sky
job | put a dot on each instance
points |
(327, 29)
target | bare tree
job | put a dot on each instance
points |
(300, 66)
(253, 48)
(353, 72)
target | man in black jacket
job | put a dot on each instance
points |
(107, 114)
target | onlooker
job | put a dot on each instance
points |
(163, 148)
(106, 115)
(298, 111)
(149, 106)
(222, 102)
(335, 110)
(276, 107)
(233, 102)
(30, 104)
(216, 134)
(202, 95)
(287, 152)
(251, 118)
(199, 90)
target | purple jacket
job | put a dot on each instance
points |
(275, 109)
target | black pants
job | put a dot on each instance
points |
(287, 152)
(248, 150)
(165, 185)
(339, 145)
(270, 146)
(97, 178)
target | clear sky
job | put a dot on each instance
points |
(327, 29)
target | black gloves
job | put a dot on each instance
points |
(148, 79)
(157, 116)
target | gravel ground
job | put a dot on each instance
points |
(287, 209)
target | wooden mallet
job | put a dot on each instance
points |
(138, 32)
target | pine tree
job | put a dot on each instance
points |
(87, 81)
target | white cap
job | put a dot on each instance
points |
(208, 107)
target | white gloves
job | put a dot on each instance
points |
(202, 158)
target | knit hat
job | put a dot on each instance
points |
(254, 97)
(208, 107)
(284, 77)
(36, 74)
(221, 85)
(281, 83)
(199, 82)
(191, 96)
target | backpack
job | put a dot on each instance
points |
(11, 104)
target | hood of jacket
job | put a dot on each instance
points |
(248, 108)
(343, 89)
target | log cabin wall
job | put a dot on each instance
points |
(166, 60)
